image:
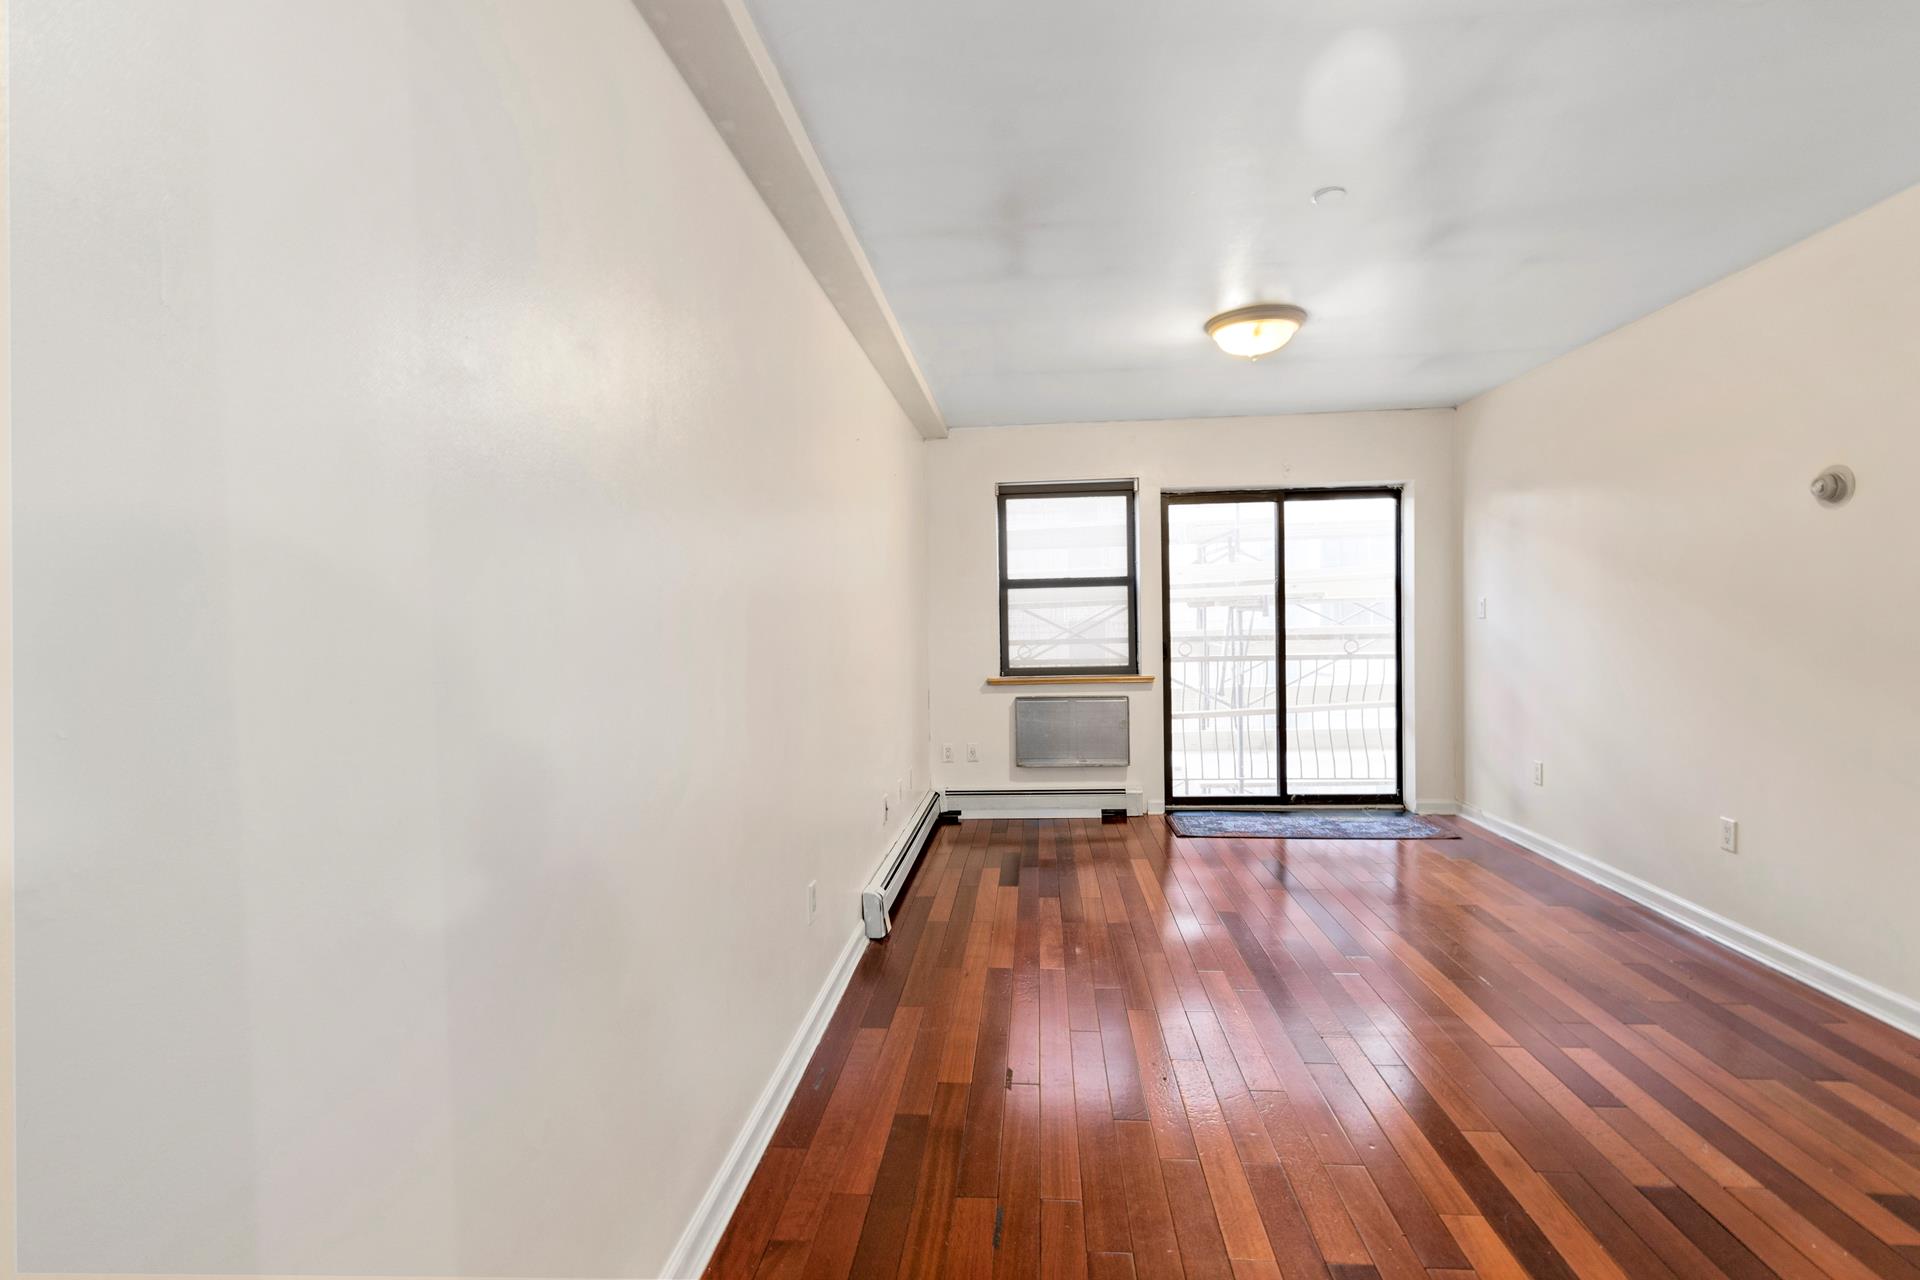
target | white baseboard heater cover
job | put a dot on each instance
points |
(1043, 802)
(877, 899)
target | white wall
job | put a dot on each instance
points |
(7, 1170)
(468, 581)
(1413, 448)
(1680, 632)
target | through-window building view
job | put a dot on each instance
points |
(816, 640)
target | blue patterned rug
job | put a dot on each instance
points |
(1308, 824)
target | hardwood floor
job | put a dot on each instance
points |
(1101, 1051)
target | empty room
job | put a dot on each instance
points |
(960, 640)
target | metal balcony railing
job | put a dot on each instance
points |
(1340, 708)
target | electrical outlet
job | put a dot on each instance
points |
(1729, 836)
(946, 753)
(813, 900)
(973, 753)
(1539, 773)
(1481, 609)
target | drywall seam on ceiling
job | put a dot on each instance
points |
(721, 57)
(1849, 988)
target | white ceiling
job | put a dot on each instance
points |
(1055, 194)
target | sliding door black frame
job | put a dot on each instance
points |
(1279, 497)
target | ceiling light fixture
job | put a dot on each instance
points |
(1330, 195)
(1256, 331)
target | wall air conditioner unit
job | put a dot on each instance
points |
(877, 899)
(1072, 732)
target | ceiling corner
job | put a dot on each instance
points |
(720, 55)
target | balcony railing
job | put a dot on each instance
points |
(1341, 712)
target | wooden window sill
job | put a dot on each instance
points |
(1069, 679)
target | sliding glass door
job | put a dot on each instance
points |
(1222, 569)
(1282, 611)
(1342, 645)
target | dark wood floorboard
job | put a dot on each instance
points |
(1094, 1051)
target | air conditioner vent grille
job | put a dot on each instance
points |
(1064, 733)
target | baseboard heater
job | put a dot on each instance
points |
(877, 899)
(1044, 802)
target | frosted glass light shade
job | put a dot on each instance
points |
(1256, 331)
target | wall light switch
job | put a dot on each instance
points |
(1480, 610)
(813, 899)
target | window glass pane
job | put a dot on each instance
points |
(1084, 536)
(1342, 692)
(1223, 666)
(1066, 627)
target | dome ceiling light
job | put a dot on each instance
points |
(1256, 331)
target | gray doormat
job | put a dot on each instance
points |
(1308, 824)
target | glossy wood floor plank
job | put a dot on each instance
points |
(1099, 1050)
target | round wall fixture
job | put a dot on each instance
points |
(1257, 330)
(1833, 486)
(1330, 195)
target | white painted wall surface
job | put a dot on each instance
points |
(1411, 448)
(1675, 627)
(467, 576)
(8, 1197)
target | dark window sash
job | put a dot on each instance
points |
(1131, 580)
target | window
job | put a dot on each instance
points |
(1068, 603)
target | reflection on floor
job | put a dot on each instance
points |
(1101, 1050)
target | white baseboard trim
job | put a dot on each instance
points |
(1868, 997)
(702, 1236)
(1436, 806)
